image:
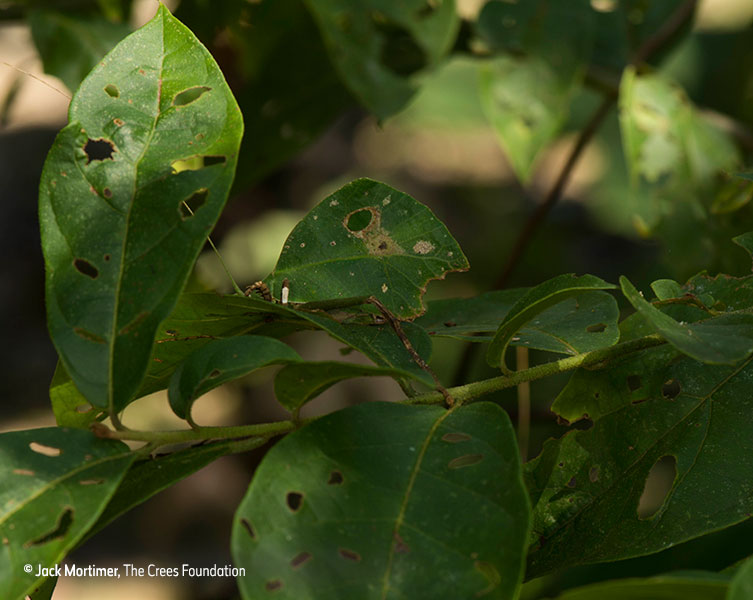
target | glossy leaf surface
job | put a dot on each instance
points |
(703, 586)
(367, 239)
(221, 361)
(118, 239)
(575, 325)
(534, 302)
(384, 500)
(54, 484)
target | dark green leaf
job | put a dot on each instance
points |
(686, 420)
(726, 339)
(54, 484)
(71, 45)
(526, 96)
(367, 239)
(741, 587)
(384, 500)
(296, 384)
(682, 586)
(221, 361)
(533, 303)
(575, 325)
(378, 45)
(118, 242)
(45, 590)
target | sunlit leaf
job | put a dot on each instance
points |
(120, 228)
(384, 500)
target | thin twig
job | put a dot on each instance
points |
(653, 44)
(395, 324)
(524, 404)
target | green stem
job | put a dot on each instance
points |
(464, 393)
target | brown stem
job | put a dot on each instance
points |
(653, 44)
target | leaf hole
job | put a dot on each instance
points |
(467, 460)
(112, 90)
(63, 525)
(189, 206)
(349, 554)
(190, 95)
(572, 483)
(634, 382)
(598, 328)
(107, 257)
(100, 149)
(107, 193)
(46, 450)
(84, 267)
(118, 122)
(335, 478)
(91, 481)
(84, 408)
(249, 528)
(273, 585)
(294, 501)
(658, 487)
(23, 472)
(455, 437)
(671, 389)
(215, 373)
(197, 162)
(358, 220)
(593, 474)
(300, 559)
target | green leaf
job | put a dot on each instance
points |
(726, 339)
(367, 239)
(298, 383)
(526, 96)
(221, 361)
(741, 587)
(680, 586)
(45, 590)
(575, 325)
(686, 420)
(71, 45)
(533, 303)
(384, 500)
(54, 484)
(70, 407)
(378, 45)
(118, 241)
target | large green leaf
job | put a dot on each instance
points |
(535, 302)
(367, 239)
(384, 500)
(575, 325)
(71, 45)
(54, 484)
(221, 361)
(680, 586)
(118, 241)
(298, 383)
(378, 45)
(526, 95)
(726, 339)
(663, 409)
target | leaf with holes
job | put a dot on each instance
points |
(298, 383)
(668, 458)
(686, 586)
(575, 325)
(54, 484)
(526, 95)
(378, 45)
(122, 215)
(221, 361)
(385, 500)
(533, 303)
(367, 239)
(71, 45)
(70, 407)
(726, 339)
